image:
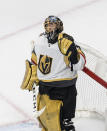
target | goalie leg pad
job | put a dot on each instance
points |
(44, 129)
(50, 118)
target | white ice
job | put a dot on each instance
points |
(21, 21)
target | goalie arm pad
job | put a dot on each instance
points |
(68, 48)
(30, 74)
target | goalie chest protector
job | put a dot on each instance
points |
(51, 64)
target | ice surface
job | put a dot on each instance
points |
(27, 126)
(20, 23)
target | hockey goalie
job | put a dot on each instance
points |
(54, 64)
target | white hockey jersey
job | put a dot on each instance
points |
(51, 64)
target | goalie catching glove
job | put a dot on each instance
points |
(68, 47)
(30, 76)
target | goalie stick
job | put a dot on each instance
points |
(35, 92)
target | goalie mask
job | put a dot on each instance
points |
(53, 26)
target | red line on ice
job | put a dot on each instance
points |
(89, 3)
(20, 111)
(14, 106)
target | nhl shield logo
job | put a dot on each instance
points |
(44, 64)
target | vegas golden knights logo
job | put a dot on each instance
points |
(44, 64)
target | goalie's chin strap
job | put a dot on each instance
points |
(35, 92)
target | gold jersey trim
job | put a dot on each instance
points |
(61, 79)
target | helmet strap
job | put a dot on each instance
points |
(52, 37)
